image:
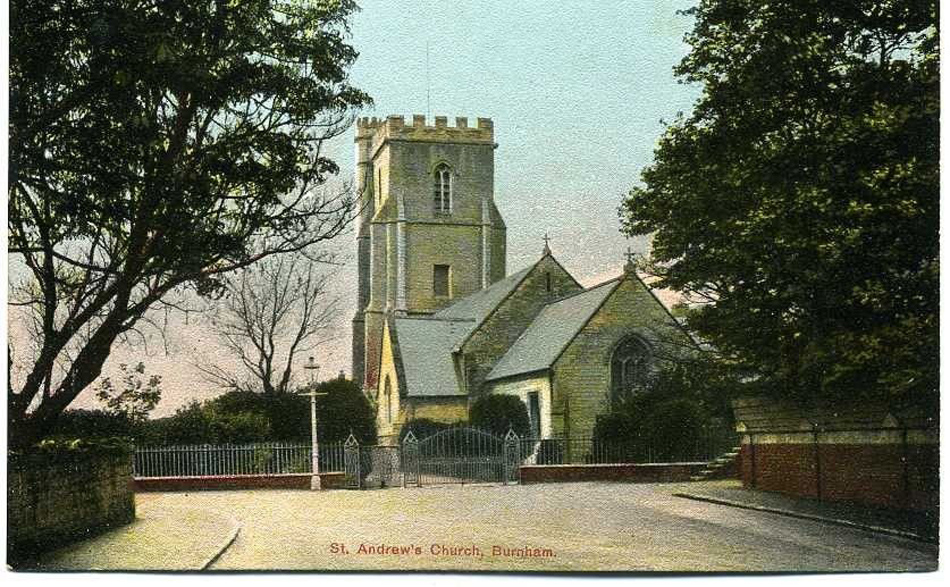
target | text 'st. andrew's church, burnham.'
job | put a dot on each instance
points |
(439, 323)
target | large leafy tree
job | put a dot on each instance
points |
(797, 204)
(155, 146)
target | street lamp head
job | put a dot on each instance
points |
(313, 368)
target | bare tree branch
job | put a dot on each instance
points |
(273, 312)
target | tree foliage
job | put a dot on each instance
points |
(135, 397)
(344, 410)
(244, 417)
(93, 424)
(154, 147)
(685, 414)
(797, 204)
(499, 413)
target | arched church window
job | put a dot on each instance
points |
(442, 189)
(388, 395)
(630, 368)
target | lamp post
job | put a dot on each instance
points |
(313, 368)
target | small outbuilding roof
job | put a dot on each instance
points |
(554, 328)
(425, 345)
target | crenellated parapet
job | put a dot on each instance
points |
(366, 126)
(417, 129)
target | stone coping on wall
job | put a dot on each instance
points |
(844, 437)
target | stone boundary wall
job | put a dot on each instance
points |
(634, 473)
(56, 499)
(861, 454)
(284, 481)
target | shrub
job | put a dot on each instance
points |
(240, 417)
(343, 410)
(499, 413)
(92, 424)
(191, 424)
(665, 423)
(239, 428)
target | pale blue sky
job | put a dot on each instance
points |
(576, 91)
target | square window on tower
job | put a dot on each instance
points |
(441, 276)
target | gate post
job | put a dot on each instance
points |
(410, 461)
(352, 477)
(512, 455)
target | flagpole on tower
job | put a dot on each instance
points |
(428, 109)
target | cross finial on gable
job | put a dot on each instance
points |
(547, 247)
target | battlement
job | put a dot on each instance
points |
(396, 127)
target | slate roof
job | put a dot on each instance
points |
(477, 305)
(557, 324)
(425, 348)
(426, 344)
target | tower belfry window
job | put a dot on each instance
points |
(442, 189)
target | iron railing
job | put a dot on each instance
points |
(205, 460)
(455, 456)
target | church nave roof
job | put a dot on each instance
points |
(557, 324)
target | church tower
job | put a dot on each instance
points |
(429, 231)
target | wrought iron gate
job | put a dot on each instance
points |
(461, 455)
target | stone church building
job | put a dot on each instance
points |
(439, 323)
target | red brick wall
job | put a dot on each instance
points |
(647, 473)
(864, 473)
(923, 476)
(290, 481)
(788, 468)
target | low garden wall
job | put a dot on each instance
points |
(625, 473)
(224, 482)
(56, 497)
